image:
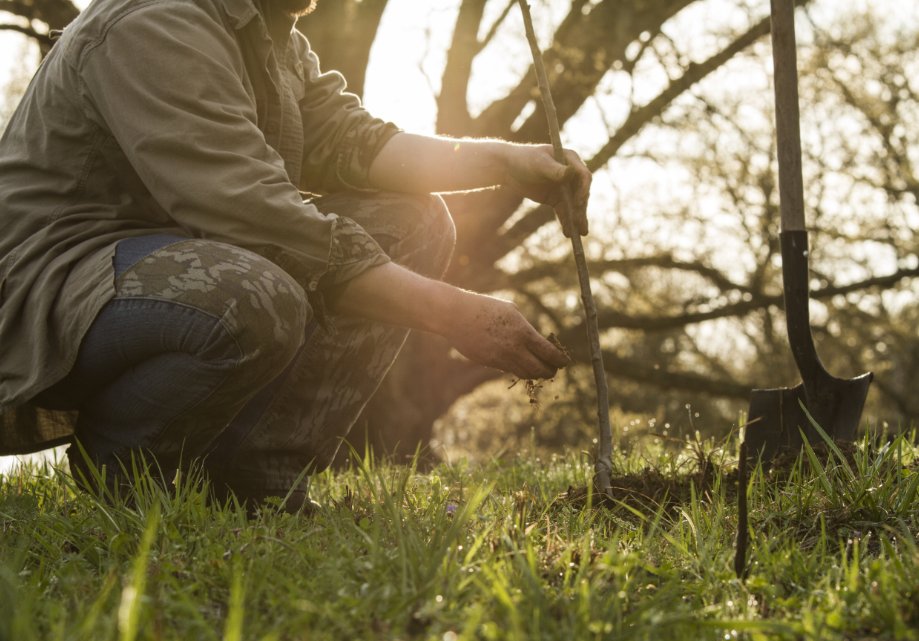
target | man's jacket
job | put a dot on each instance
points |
(190, 117)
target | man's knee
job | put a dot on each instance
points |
(441, 223)
(267, 313)
(437, 234)
(261, 309)
(415, 230)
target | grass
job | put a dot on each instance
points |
(476, 553)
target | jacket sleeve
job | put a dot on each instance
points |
(340, 137)
(166, 82)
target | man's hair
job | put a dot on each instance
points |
(296, 7)
(308, 9)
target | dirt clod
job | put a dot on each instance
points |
(645, 491)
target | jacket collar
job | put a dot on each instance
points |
(240, 11)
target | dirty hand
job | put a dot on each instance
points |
(494, 333)
(533, 171)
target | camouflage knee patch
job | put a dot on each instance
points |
(255, 299)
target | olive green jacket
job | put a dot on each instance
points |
(190, 117)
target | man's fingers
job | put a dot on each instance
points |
(574, 176)
(565, 218)
(528, 366)
(546, 351)
(551, 169)
(494, 333)
(579, 178)
(583, 194)
(539, 358)
(583, 225)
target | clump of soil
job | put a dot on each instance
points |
(534, 387)
(645, 491)
(650, 488)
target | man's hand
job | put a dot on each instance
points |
(486, 330)
(533, 170)
(493, 332)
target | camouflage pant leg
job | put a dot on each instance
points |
(309, 411)
(172, 358)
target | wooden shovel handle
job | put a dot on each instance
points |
(787, 117)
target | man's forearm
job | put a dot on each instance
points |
(484, 329)
(392, 294)
(425, 164)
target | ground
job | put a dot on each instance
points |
(513, 549)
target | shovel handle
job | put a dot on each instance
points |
(787, 117)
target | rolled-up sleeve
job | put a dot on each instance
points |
(167, 81)
(353, 252)
(341, 138)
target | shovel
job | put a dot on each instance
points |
(778, 417)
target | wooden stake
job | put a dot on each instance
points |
(603, 467)
(743, 524)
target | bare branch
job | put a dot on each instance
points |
(541, 215)
(660, 375)
(43, 38)
(55, 13)
(519, 232)
(693, 74)
(609, 318)
(664, 261)
(452, 109)
(580, 76)
(21, 9)
(493, 30)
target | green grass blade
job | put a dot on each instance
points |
(131, 596)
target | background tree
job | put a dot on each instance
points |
(667, 296)
(37, 18)
(670, 103)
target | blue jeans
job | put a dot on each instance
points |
(212, 352)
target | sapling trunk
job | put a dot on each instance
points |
(603, 467)
(743, 526)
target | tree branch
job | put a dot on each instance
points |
(541, 215)
(18, 8)
(660, 376)
(505, 243)
(452, 110)
(43, 38)
(663, 261)
(614, 319)
(493, 30)
(497, 118)
(57, 14)
(578, 75)
(695, 72)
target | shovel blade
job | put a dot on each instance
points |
(776, 420)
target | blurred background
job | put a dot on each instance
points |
(670, 103)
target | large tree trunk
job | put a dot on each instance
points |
(342, 32)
